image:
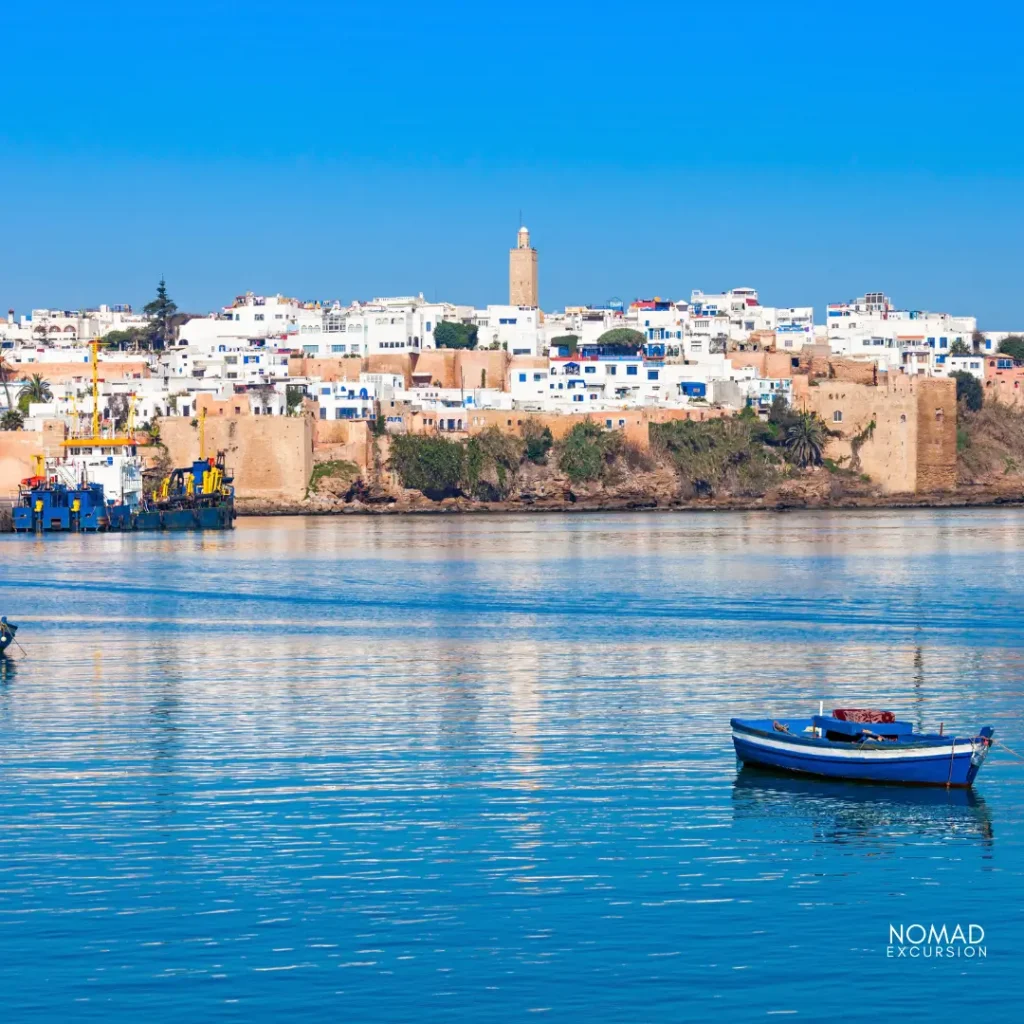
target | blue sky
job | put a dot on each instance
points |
(347, 150)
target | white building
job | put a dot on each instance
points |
(67, 328)
(513, 328)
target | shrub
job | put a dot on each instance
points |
(433, 465)
(969, 390)
(491, 465)
(581, 453)
(714, 454)
(538, 442)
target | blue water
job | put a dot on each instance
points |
(466, 769)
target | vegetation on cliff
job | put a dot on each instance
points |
(735, 455)
(990, 445)
(340, 472)
(725, 454)
(428, 463)
(969, 392)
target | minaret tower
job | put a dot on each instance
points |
(522, 272)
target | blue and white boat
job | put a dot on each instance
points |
(7, 631)
(861, 744)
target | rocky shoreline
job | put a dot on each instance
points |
(962, 498)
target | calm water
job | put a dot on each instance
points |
(479, 769)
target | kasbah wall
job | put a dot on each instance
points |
(271, 456)
(67, 373)
(912, 447)
(17, 448)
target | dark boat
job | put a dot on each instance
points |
(861, 745)
(7, 631)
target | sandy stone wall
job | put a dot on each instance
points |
(330, 369)
(342, 439)
(634, 423)
(17, 448)
(767, 364)
(912, 447)
(387, 362)
(63, 373)
(271, 456)
(936, 434)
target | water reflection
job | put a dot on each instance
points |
(862, 812)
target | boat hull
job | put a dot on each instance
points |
(942, 762)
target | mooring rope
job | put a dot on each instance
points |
(1009, 750)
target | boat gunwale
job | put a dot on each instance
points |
(918, 743)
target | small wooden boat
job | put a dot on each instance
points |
(7, 631)
(861, 744)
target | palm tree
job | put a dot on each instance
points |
(805, 440)
(35, 389)
(5, 375)
(11, 420)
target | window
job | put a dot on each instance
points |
(522, 378)
(942, 342)
(323, 413)
(577, 398)
(837, 416)
(652, 374)
(337, 348)
(610, 370)
(631, 371)
(608, 424)
(622, 423)
(258, 316)
(538, 376)
(427, 328)
(590, 369)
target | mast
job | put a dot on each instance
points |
(95, 346)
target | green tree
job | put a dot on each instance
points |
(624, 338)
(1013, 346)
(433, 465)
(491, 465)
(969, 390)
(566, 341)
(455, 335)
(539, 442)
(35, 389)
(294, 394)
(805, 440)
(160, 311)
(132, 338)
(581, 453)
(719, 453)
(959, 348)
(11, 420)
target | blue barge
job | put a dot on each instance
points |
(198, 497)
